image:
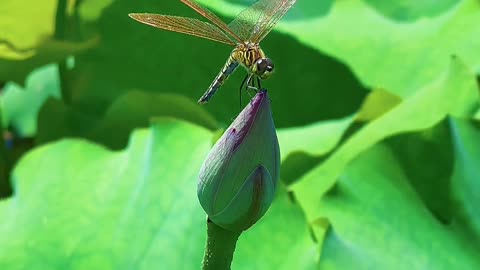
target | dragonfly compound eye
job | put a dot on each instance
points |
(265, 67)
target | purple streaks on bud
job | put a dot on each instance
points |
(247, 117)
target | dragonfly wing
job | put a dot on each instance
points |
(212, 18)
(183, 25)
(255, 22)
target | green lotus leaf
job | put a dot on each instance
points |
(448, 95)
(78, 205)
(374, 215)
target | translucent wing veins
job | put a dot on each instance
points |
(255, 22)
(183, 25)
(213, 18)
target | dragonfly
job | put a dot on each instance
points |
(245, 33)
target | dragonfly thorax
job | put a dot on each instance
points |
(253, 59)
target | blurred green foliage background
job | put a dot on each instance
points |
(376, 104)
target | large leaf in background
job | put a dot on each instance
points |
(78, 205)
(304, 147)
(23, 25)
(315, 139)
(409, 10)
(404, 10)
(136, 56)
(49, 51)
(90, 10)
(20, 110)
(453, 93)
(433, 147)
(400, 57)
(21, 105)
(377, 221)
(3, 162)
(115, 212)
(26, 42)
(319, 138)
(129, 111)
(465, 180)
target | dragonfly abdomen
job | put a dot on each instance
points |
(222, 76)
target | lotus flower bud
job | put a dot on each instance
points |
(240, 174)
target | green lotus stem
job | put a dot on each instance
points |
(60, 24)
(219, 248)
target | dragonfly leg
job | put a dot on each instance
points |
(259, 84)
(244, 81)
(250, 84)
(241, 88)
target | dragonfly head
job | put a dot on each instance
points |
(263, 68)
